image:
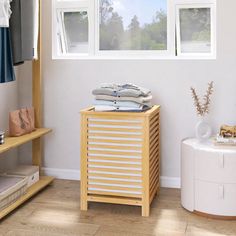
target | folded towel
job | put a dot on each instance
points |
(128, 104)
(121, 90)
(140, 100)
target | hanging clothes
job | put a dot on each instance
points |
(5, 13)
(24, 30)
(36, 27)
(6, 63)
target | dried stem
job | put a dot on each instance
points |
(207, 99)
(197, 102)
(202, 109)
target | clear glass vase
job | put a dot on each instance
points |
(203, 129)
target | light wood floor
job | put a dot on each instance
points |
(55, 211)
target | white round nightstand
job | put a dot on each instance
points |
(208, 179)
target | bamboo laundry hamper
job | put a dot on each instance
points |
(120, 157)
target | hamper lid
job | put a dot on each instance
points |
(6, 182)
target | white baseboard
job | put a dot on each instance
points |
(62, 173)
(170, 182)
(69, 174)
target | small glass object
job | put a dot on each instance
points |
(2, 137)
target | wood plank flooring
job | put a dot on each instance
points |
(55, 212)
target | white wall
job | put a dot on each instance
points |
(68, 84)
(8, 102)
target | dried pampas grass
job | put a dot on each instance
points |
(202, 108)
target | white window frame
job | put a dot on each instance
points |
(186, 4)
(92, 7)
(134, 53)
(59, 7)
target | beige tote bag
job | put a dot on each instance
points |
(21, 122)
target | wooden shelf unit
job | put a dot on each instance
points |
(13, 142)
(35, 137)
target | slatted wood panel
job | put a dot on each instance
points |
(154, 155)
(118, 157)
(118, 153)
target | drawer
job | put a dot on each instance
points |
(215, 166)
(215, 199)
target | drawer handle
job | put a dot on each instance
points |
(221, 192)
(221, 161)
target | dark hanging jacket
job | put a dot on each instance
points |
(22, 30)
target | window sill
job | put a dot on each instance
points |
(159, 58)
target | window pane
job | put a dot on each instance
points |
(133, 25)
(195, 30)
(76, 29)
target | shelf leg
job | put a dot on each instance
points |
(37, 152)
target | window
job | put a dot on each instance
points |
(114, 28)
(72, 28)
(195, 30)
(132, 25)
(76, 29)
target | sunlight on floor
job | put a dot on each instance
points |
(56, 217)
(170, 220)
(56, 212)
